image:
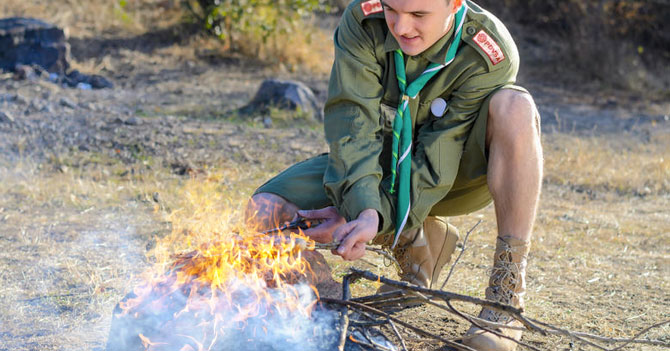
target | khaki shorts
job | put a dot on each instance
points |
(302, 183)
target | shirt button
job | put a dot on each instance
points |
(470, 30)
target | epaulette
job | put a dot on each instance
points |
(371, 7)
(489, 37)
(488, 46)
(364, 9)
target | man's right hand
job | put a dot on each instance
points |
(331, 220)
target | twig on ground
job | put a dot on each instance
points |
(371, 344)
(344, 310)
(634, 338)
(445, 295)
(396, 320)
(465, 241)
(372, 341)
(397, 334)
(530, 324)
(584, 336)
(480, 326)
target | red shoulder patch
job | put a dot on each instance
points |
(490, 47)
(371, 6)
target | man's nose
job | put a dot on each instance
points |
(403, 25)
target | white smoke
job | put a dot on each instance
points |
(240, 320)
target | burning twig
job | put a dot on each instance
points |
(305, 244)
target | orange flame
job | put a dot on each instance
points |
(203, 285)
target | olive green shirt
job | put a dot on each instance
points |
(363, 95)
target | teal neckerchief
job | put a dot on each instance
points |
(402, 125)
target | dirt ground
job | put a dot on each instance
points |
(88, 177)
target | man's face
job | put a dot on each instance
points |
(418, 24)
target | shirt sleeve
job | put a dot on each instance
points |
(439, 144)
(351, 122)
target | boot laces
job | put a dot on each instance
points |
(504, 282)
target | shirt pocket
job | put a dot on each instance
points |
(387, 117)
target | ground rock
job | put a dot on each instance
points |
(5, 117)
(29, 41)
(8, 97)
(285, 94)
(67, 103)
(76, 79)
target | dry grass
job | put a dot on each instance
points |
(86, 18)
(75, 240)
(604, 163)
(306, 48)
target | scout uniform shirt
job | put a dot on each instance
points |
(363, 96)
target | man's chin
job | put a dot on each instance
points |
(411, 50)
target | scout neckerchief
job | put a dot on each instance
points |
(402, 125)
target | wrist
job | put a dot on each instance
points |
(369, 213)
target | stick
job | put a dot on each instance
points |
(376, 297)
(465, 241)
(458, 313)
(344, 310)
(584, 336)
(370, 339)
(371, 344)
(651, 342)
(404, 324)
(397, 334)
(529, 323)
(445, 295)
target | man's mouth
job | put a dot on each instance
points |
(409, 40)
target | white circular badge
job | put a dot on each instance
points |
(438, 107)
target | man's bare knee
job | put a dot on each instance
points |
(512, 114)
(265, 211)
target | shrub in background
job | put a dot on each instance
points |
(260, 19)
(280, 32)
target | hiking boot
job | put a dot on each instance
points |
(422, 253)
(507, 285)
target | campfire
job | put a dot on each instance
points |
(252, 292)
(218, 286)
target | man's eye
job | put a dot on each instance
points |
(388, 9)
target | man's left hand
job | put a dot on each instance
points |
(354, 235)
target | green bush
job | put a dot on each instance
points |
(259, 19)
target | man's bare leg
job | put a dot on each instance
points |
(266, 211)
(514, 179)
(515, 162)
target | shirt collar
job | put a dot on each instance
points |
(435, 53)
